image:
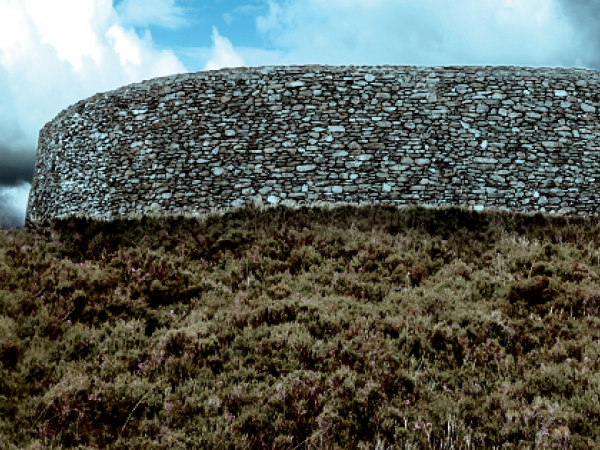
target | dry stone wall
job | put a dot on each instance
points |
(516, 138)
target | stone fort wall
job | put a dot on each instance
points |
(516, 138)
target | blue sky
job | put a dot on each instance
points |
(54, 53)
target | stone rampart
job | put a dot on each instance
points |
(516, 138)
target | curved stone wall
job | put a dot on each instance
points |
(517, 138)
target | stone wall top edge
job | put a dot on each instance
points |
(148, 84)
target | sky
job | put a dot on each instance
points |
(55, 53)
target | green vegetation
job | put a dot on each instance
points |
(365, 327)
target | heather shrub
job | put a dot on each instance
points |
(281, 328)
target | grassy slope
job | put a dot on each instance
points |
(353, 327)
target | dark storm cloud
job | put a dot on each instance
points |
(16, 169)
(17, 158)
(17, 163)
(584, 16)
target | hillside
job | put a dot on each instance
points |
(320, 328)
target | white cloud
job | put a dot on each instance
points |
(13, 29)
(46, 71)
(419, 32)
(152, 12)
(223, 54)
(228, 18)
(53, 54)
(71, 51)
(126, 44)
(68, 26)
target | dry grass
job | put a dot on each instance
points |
(321, 327)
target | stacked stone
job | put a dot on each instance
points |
(523, 139)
